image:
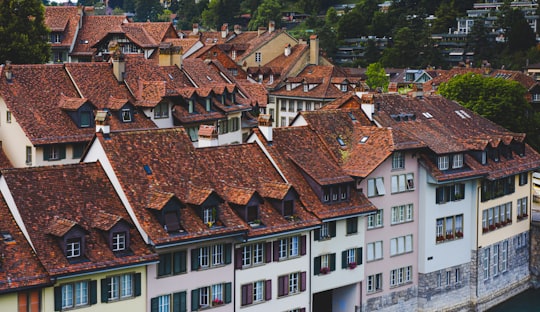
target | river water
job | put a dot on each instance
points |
(527, 301)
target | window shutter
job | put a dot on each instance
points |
(61, 151)
(359, 256)
(303, 245)
(105, 289)
(194, 259)
(58, 298)
(93, 292)
(179, 302)
(344, 263)
(183, 261)
(317, 265)
(317, 234)
(354, 225)
(268, 290)
(46, 152)
(194, 299)
(238, 258)
(276, 250)
(439, 195)
(303, 281)
(154, 305)
(332, 228)
(303, 310)
(268, 252)
(281, 290)
(245, 294)
(228, 288)
(228, 251)
(137, 288)
(332, 261)
(163, 264)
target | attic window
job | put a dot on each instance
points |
(341, 142)
(463, 114)
(126, 115)
(147, 169)
(209, 215)
(172, 223)
(208, 77)
(288, 207)
(364, 139)
(73, 248)
(306, 87)
(7, 237)
(351, 115)
(427, 115)
(119, 241)
(344, 88)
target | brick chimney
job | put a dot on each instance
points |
(261, 30)
(287, 51)
(237, 29)
(224, 30)
(314, 50)
(208, 136)
(265, 126)
(195, 29)
(271, 26)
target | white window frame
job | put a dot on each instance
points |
(443, 162)
(126, 115)
(402, 183)
(457, 161)
(376, 187)
(398, 160)
(374, 283)
(374, 251)
(485, 262)
(73, 248)
(375, 220)
(495, 260)
(119, 241)
(402, 213)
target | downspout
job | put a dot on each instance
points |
(478, 198)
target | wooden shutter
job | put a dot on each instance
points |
(179, 303)
(137, 288)
(194, 259)
(228, 251)
(194, 299)
(179, 262)
(359, 256)
(105, 289)
(282, 281)
(93, 291)
(58, 298)
(439, 195)
(238, 258)
(228, 292)
(332, 261)
(317, 234)
(46, 153)
(276, 250)
(344, 263)
(317, 265)
(332, 228)
(61, 151)
(303, 281)
(268, 252)
(154, 305)
(268, 290)
(35, 300)
(303, 245)
(247, 290)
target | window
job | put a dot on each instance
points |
(352, 225)
(29, 301)
(300, 106)
(283, 122)
(327, 231)
(233, 54)
(86, 119)
(398, 160)
(522, 211)
(54, 152)
(449, 228)
(457, 161)
(8, 117)
(495, 260)
(210, 256)
(234, 124)
(292, 283)
(308, 105)
(374, 251)
(523, 178)
(126, 115)
(258, 57)
(402, 183)
(209, 215)
(324, 264)
(73, 248)
(496, 217)
(497, 188)
(400, 276)
(223, 126)
(401, 245)
(256, 292)
(210, 296)
(351, 258)
(253, 254)
(191, 106)
(443, 162)
(374, 283)
(74, 295)
(457, 275)
(521, 240)
(306, 87)
(439, 279)
(172, 263)
(283, 106)
(291, 105)
(375, 220)
(402, 213)
(485, 263)
(288, 207)
(120, 287)
(448, 278)
(169, 303)
(29, 155)
(161, 110)
(504, 256)
(343, 88)
(119, 241)
(288, 247)
(448, 193)
(376, 187)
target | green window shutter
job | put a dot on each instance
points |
(344, 263)
(58, 298)
(332, 228)
(317, 234)
(194, 259)
(93, 292)
(183, 301)
(359, 256)
(179, 262)
(194, 299)
(105, 290)
(179, 302)
(228, 287)
(154, 305)
(332, 262)
(137, 288)
(46, 152)
(61, 151)
(164, 265)
(228, 251)
(317, 265)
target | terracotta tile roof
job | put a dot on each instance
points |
(73, 194)
(71, 103)
(103, 220)
(185, 43)
(192, 175)
(62, 19)
(253, 40)
(298, 149)
(255, 91)
(4, 161)
(238, 195)
(157, 199)
(94, 29)
(20, 265)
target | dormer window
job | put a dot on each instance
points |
(126, 115)
(86, 119)
(208, 105)
(56, 38)
(252, 213)
(457, 161)
(443, 162)
(343, 88)
(161, 110)
(223, 99)
(306, 87)
(288, 207)
(119, 241)
(484, 158)
(233, 54)
(168, 214)
(209, 215)
(191, 105)
(73, 248)
(271, 79)
(232, 97)
(335, 193)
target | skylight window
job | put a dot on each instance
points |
(208, 77)
(7, 237)
(147, 169)
(340, 141)
(427, 115)
(364, 139)
(463, 114)
(351, 115)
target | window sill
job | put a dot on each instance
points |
(375, 227)
(372, 292)
(401, 285)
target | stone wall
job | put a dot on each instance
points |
(403, 299)
(535, 253)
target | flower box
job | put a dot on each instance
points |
(440, 238)
(459, 234)
(217, 302)
(492, 227)
(325, 270)
(449, 236)
(484, 230)
(352, 265)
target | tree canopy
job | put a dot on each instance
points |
(376, 77)
(23, 34)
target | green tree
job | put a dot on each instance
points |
(147, 10)
(269, 10)
(499, 100)
(520, 35)
(219, 12)
(23, 34)
(446, 18)
(376, 76)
